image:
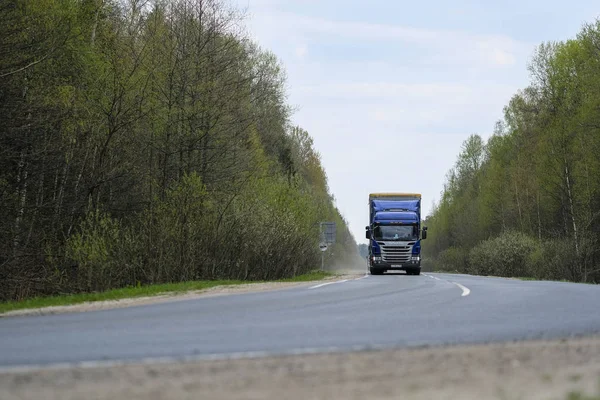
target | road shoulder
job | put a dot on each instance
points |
(172, 296)
(526, 370)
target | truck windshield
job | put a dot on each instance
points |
(395, 232)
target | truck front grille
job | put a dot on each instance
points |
(396, 254)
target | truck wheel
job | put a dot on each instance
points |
(376, 271)
(413, 271)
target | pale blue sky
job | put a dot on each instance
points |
(390, 89)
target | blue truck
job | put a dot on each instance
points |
(394, 233)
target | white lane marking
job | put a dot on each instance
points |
(465, 290)
(328, 283)
(333, 283)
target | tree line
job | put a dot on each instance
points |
(526, 202)
(147, 142)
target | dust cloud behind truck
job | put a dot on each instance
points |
(395, 233)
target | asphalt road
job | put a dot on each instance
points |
(377, 311)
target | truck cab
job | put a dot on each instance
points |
(395, 233)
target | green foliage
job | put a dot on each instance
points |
(92, 249)
(505, 255)
(537, 177)
(147, 144)
(453, 259)
(557, 260)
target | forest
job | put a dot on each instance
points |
(149, 142)
(526, 202)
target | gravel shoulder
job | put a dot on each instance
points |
(529, 370)
(168, 297)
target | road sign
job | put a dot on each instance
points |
(328, 230)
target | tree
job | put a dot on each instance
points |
(146, 143)
(538, 173)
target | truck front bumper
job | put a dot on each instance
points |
(412, 263)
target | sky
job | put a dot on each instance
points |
(389, 90)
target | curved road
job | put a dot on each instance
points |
(377, 311)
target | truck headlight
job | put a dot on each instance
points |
(415, 258)
(376, 259)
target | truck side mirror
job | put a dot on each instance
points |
(367, 233)
(424, 234)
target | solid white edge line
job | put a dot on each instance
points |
(326, 284)
(333, 283)
(465, 290)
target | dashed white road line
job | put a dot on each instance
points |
(466, 290)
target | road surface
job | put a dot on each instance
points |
(373, 312)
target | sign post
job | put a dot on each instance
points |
(327, 238)
(323, 248)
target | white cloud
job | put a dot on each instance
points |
(443, 45)
(502, 58)
(385, 115)
(385, 89)
(301, 51)
(500, 52)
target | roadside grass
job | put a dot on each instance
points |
(311, 276)
(528, 278)
(141, 291)
(579, 396)
(521, 278)
(547, 280)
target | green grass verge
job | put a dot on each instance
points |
(545, 280)
(139, 291)
(579, 396)
(311, 276)
(521, 278)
